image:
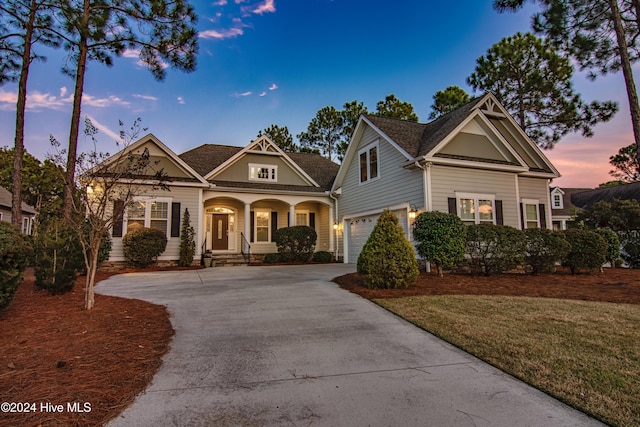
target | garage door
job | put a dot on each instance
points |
(360, 228)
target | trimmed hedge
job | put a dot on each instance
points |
(143, 246)
(323, 256)
(387, 259)
(441, 239)
(545, 248)
(14, 252)
(588, 250)
(494, 248)
(271, 258)
(295, 243)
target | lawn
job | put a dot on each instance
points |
(584, 353)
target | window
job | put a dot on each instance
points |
(476, 208)
(148, 213)
(302, 218)
(263, 172)
(26, 228)
(369, 164)
(530, 213)
(557, 201)
(263, 226)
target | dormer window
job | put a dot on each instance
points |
(557, 201)
(266, 173)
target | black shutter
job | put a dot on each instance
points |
(274, 224)
(543, 215)
(288, 219)
(522, 226)
(175, 219)
(312, 220)
(499, 217)
(118, 217)
(253, 218)
(453, 209)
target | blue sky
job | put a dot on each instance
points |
(264, 62)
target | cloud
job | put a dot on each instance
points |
(242, 94)
(181, 100)
(135, 54)
(145, 97)
(273, 87)
(267, 6)
(219, 3)
(104, 129)
(221, 34)
(262, 93)
(104, 102)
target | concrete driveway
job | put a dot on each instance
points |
(283, 346)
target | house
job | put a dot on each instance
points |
(236, 196)
(585, 199)
(475, 162)
(28, 212)
(562, 208)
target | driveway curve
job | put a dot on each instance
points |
(283, 346)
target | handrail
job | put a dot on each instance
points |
(202, 251)
(246, 248)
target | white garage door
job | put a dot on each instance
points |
(360, 228)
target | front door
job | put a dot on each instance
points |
(220, 238)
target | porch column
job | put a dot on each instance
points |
(247, 221)
(332, 232)
(292, 215)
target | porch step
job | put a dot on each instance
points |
(227, 260)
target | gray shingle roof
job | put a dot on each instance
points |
(623, 192)
(569, 208)
(207, 157)
(5, 201)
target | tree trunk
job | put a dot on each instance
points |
(18, 152)
(632, 94)
(72, 152)
(92, 268)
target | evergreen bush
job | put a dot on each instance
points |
(59, 257)
(631, 249)
(494, 248)
(187, 241)
(387, 259)
(545, 248)
(441, 239)
(143, 246)
(613, 245)
(588, 250)
(271, 258)
(295, 243)
(14, 252)
(323, 256)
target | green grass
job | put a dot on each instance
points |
(586, 354)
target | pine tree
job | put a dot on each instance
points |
(187, 241)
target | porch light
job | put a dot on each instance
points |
(335, 226)
(413, 211)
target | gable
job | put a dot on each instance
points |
(239, 170)
(159, 160)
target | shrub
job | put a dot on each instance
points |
(588, 250)
(187, 241)
(631, 249)
(494, 248)
(143, 246)
(613, 245)
(387, 259)
(545, 248)
(271, 258)
(295, 243)
(323, 256)
(14, 252)
(59, 257)
(441, 239)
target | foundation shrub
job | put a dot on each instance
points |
(143, 246)
(494, 248)
(545, 248)
(441, 239)
(323, 256)
(295, 243)
(387, 259)
(588, 250)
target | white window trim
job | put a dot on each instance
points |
(526, 220)
(147, 213)
(560, 204)
(367, 150)
(476, 197)
(255, 227)
(273, 172)
(301, 211)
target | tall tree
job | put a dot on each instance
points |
(626, 164)
(533, 81)
(445, 101)
(394, 108)
(324, 132)
(600, 34)
(280, 136)
(351, 113)
(160, 31)
(24, 23)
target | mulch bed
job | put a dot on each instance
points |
(55, 352)
(618, 285)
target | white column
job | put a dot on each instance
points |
(331, 230)
(292, 215)
(247, 221)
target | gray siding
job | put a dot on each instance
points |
(239, 171)
(394, 186)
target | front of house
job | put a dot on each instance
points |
(474, 162)
(237, 197)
